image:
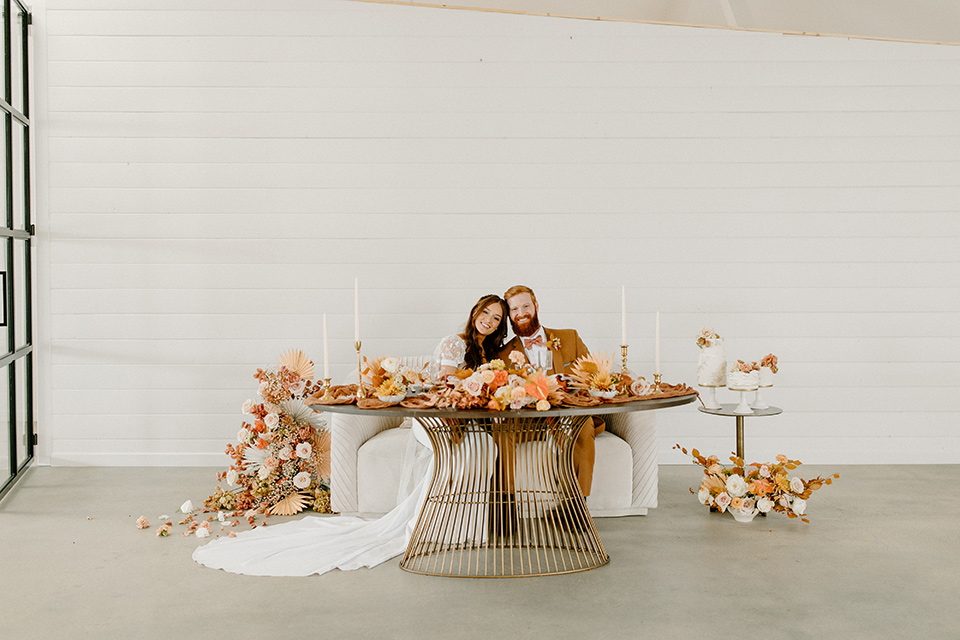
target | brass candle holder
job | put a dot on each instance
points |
(623, 352)
(360, 392)
(656, 383)
(326, 390)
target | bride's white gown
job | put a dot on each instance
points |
(317, 544)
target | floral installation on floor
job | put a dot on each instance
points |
(755, 488)
(280, 464)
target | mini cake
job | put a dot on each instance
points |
(712, 365)
(766, 377)
(740, 380)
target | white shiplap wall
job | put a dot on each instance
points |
(212, 176)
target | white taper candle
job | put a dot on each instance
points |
(326, 351)
(656, 364)
(356, 310)
(623, 315)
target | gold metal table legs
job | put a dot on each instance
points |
(503, 501)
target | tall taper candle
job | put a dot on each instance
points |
(356, 310)
(656, 364)
(623, 315)
(326, 350)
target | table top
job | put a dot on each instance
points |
(728, 410)
(601, 409)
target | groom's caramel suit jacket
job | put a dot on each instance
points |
(571, 348)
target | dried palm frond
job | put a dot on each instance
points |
(297, 362)
(301, 414)
(292, 504)
(321, 453)
(592, 371)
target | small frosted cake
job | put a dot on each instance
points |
(740, 380)
(766, 377)
(712, 365)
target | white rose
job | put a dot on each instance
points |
(243, 436)
(764, 505)
(703, 496)
(302, 480)
(796, 484)
(736, 486)
(271, 420)
(286, 453)
(487, 376)
(543, 405)
(799, 506)
(473, 385)
(263, 473)
(765, 471)
(722, 502)
(248, 406)
(186, 507)
(785, 502)
(304, 450)
(261, 388)
(298, 388)
(390, 364)
(232, 477)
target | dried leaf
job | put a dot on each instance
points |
(298, 362)
(292, 504)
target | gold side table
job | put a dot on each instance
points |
(729, 410)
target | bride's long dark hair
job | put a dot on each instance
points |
(482, 348)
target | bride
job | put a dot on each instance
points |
(320, 544)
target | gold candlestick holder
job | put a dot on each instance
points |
(326, 389)
(656, 383)
(360, 392)
(623, 364)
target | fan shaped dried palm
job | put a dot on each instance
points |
(298, 362)
(322, 453)
(592, 371)
(292, 504)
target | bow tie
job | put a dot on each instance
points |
(530, 343)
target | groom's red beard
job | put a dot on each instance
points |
(525, 326)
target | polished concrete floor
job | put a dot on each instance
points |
(880, 559)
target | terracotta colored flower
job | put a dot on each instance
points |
(142, 522)
(537, 387)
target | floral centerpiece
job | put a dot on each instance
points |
(594, 374)
(497, 387)
(280, 464)
(391, 381)
(755, 488)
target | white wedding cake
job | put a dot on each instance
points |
(712, 365)
(737, 380)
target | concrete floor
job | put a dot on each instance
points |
(881, 558)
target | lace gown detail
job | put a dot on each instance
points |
(451, 352)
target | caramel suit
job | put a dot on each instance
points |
(571, 348)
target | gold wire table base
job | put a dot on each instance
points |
(503, 501)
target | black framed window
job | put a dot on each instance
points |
(17, 432)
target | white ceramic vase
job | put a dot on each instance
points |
(743, 516)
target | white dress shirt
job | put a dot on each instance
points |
(539, 355)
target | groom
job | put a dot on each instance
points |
(554, 350)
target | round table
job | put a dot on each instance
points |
(730, 410)
(503, 500)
